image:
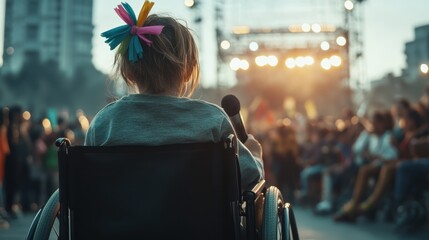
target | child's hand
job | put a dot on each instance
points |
(254, 146)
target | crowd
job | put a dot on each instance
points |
(28, 160)
(352, 166)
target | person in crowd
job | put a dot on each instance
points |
(162, 66)
(412, 122)
(399, 110)
(335, 174)
(4, 151)
(284, 155)
(37, 171)
(314, 166)
(372, 149)
(13, 163)
(26, 160)
(411, 178)
(50, 157)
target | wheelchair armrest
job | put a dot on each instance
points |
(258, 188)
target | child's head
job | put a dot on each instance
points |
(156, 54)
(169, 66)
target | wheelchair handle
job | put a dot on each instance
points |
(62, 142)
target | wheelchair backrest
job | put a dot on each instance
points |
(184, 191)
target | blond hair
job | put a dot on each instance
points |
(170, 64)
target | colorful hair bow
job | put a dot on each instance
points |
(128, 35)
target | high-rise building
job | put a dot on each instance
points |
(417, 53)
(48, 30)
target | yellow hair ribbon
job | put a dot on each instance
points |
(144, 12)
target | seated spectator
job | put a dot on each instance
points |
(411, 179)
(372, 148)
(412, 122)
(335, 174)
(310, 159)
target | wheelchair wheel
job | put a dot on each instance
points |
(32, 230)
(272, 216)
(47, 218)
(290, 230)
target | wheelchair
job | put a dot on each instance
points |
(180, 191)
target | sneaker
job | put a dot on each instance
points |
(410, 216)
(323, 208)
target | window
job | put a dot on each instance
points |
(32, 31)
(32, 55)
(33, 7)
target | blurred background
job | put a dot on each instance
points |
(307, 56)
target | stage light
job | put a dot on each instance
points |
(241, 30)
(306, 27)
(290, 63)
(325, 46)
(309, 60)
(26, 115)
(189, 3)
(253, 46)
(225, 44)
(235, 64)
(300, 61)
(348, 5)
(47, 125)
(244, 64)
(341, 41)
(272, 60)
(424, 68)
(261, 61)
(84, 123)
(335, 61)
(316, 28)
(325, 64)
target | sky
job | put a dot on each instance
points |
(387, 26)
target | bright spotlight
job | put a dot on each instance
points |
(300, 61)
(348, 5)
(341, 41)
(253, 46)
(325, 64)
(26, 115)
(290, 63)
(261, 61)
(272, 60)
(324, 46)
(306, 27)
(225, 44)
(335, 61)
(235, 64)
(189, 3)
(47, 125)
(316, 28)
(244, 64)
(424, 68)
(309, 60)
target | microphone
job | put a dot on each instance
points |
(231, 105)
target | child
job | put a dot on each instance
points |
(158, 57)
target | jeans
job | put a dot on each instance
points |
(306, 174)
(409, 175)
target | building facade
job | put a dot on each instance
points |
(417, 53)
(48, 30)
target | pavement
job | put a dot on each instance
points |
(310, 227)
